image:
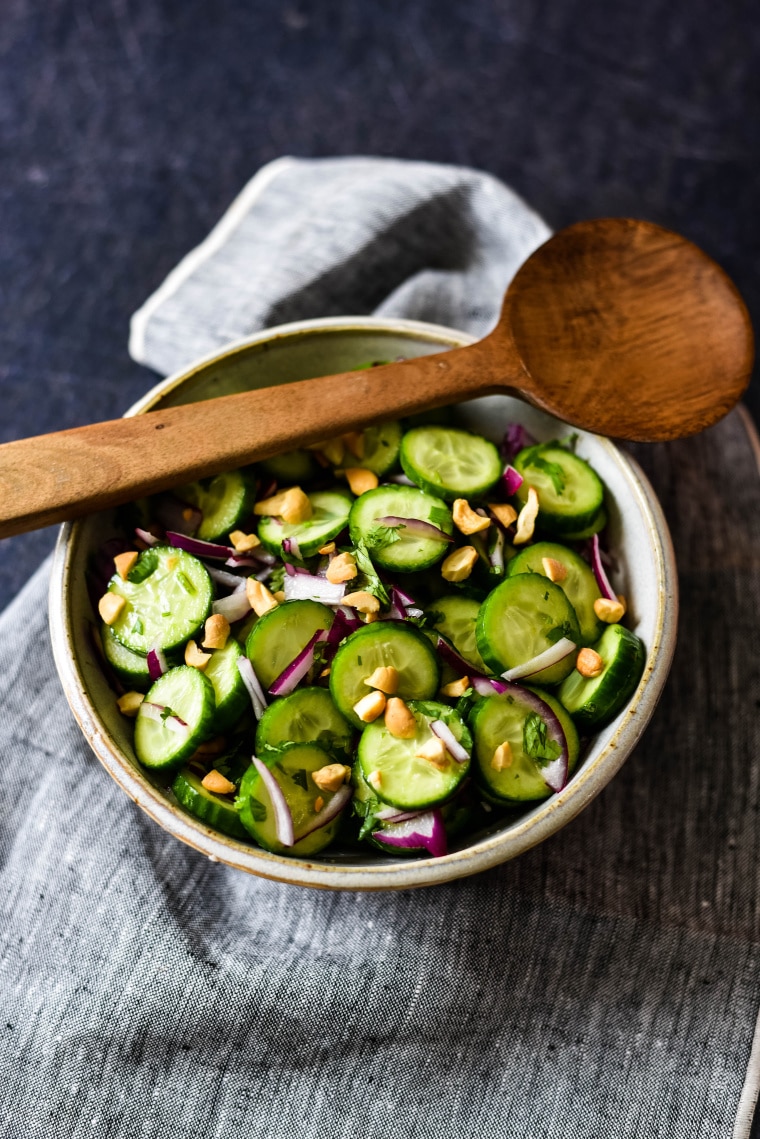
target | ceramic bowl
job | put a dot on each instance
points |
(638, 534)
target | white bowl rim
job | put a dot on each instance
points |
(543, 821)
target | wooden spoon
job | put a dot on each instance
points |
(614, 325)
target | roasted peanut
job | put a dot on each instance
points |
(244, 542)
(526, 519)
(194, 657)
(360, 479)
(434, 751)
(217, 783)
(459, 564)
(129, 703)
(554, 570)
(110, 606)
(399, 720)
(331, 777)
(505, 513)
(260, 599)
(456, 688)
(608, 611)
(215, 632)
(370, 706)
(125, 562)
(468, 520)
(385, 677)
(502, 757)
(341, 568)
(589, 663)
(363, 601)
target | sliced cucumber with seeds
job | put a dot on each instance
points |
(294, 468)
(130, 667)
(308, 715)
(401, 777)
(381, 447)
(279, 636)
(168, 597)
(292, 766)
(456, 618)
(394, 548)
(231, 694)
(580, 586)
(186, 698)
(450, 463)
(218, 811)
(224, 501)
(524, 616)
(330, 510)
(570, 492)
(390, 643)
(594, 701)
(502, 719)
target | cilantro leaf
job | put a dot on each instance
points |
(534, 458)
(373, 583)
(382, 536)
(440, 517)
(367, 810)
(536, 743)
(276, 579)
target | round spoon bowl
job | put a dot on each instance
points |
(638, 534)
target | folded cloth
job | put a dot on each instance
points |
(603, 984)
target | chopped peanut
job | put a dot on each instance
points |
(291, 505)
(260, 599)
(434, 751)
(589, 663)
(502, 757)
(244, 542)
(554, 570)
(279, 595)
(466, 519)
(341, 568)
(172, 563)
(385, 678)
(526, 519)
(354, 442)
(110, 606)
(216, 631)
(328, 549)
(188, 514)
(459, 565)
(456, 688)
(218, 783)
(331, 777)
(332, 449)
(318, 804)
(363, 601)
(505, 513)
(325, 671)
(370, 706)
(194, 657)
(609, 611)
(360, 479)
(370, 618)
(129, 703)
(399, 720)
(125, 562)
(375, 780)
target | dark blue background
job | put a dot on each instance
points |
(128, 127)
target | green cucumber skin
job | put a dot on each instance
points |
(293, 468)
(435, 485)
(555, 516)
(327, 727)
(130, 667)
(214, 810)
(279, 636)
(177, 747)
(580, 587)
(592, 703)
(367, 649)
(490, 621)
(410, 555)
(453, 612)
(336, 502)
(237, 491)
(382, 443)
(230, 692)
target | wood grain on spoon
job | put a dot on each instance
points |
(614, 325)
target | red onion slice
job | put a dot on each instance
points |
(553, 655)
(328, 812)
(306, 587)
(197, 547)
(496, 554)
(393, 815)
(253, 684)
(294, 673)
(146, 536)
(451, 743)
(484, 686)
(283, 820)
(416, 527)
(290, 546)
(234, 607)
(515, 439)
(452, 657)
(156, 712)
(221, 577)
(426, 832)
(157, 665)
(599, 571)
(511, 480)
(554, 773)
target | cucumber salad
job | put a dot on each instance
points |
(389, 639)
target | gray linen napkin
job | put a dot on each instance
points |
(603, 984)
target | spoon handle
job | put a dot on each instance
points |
(57, 477)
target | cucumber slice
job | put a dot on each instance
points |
(384, 643)
(525, 615)
(294, 468)
(382, 443)
(501, 719)
(406, 553)
(292, 767)
(224, 501)
(130, 667)
(184, 692)
(279, 636)
(231, 694)
(580, 586)
(168, 597)
(406, 780)
(217, 810)
(449, 462)
(459, 813)
(456, 618)
(594, 702)
(570, 492)
(594, 528)
(330, 515)
(308, 715)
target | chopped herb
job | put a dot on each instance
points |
(558, 632)
(300, 777)
(536, 743)
(367, 810)
(440, 517)
(137, 627)
(571, 442)
(373, 584)
(145, 565)
(276, 579)
(184, 582)
(534, 458)
(546, 595)
(465, 702)
(382, 536)
(167, 712)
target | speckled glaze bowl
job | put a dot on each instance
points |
(639, 536)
